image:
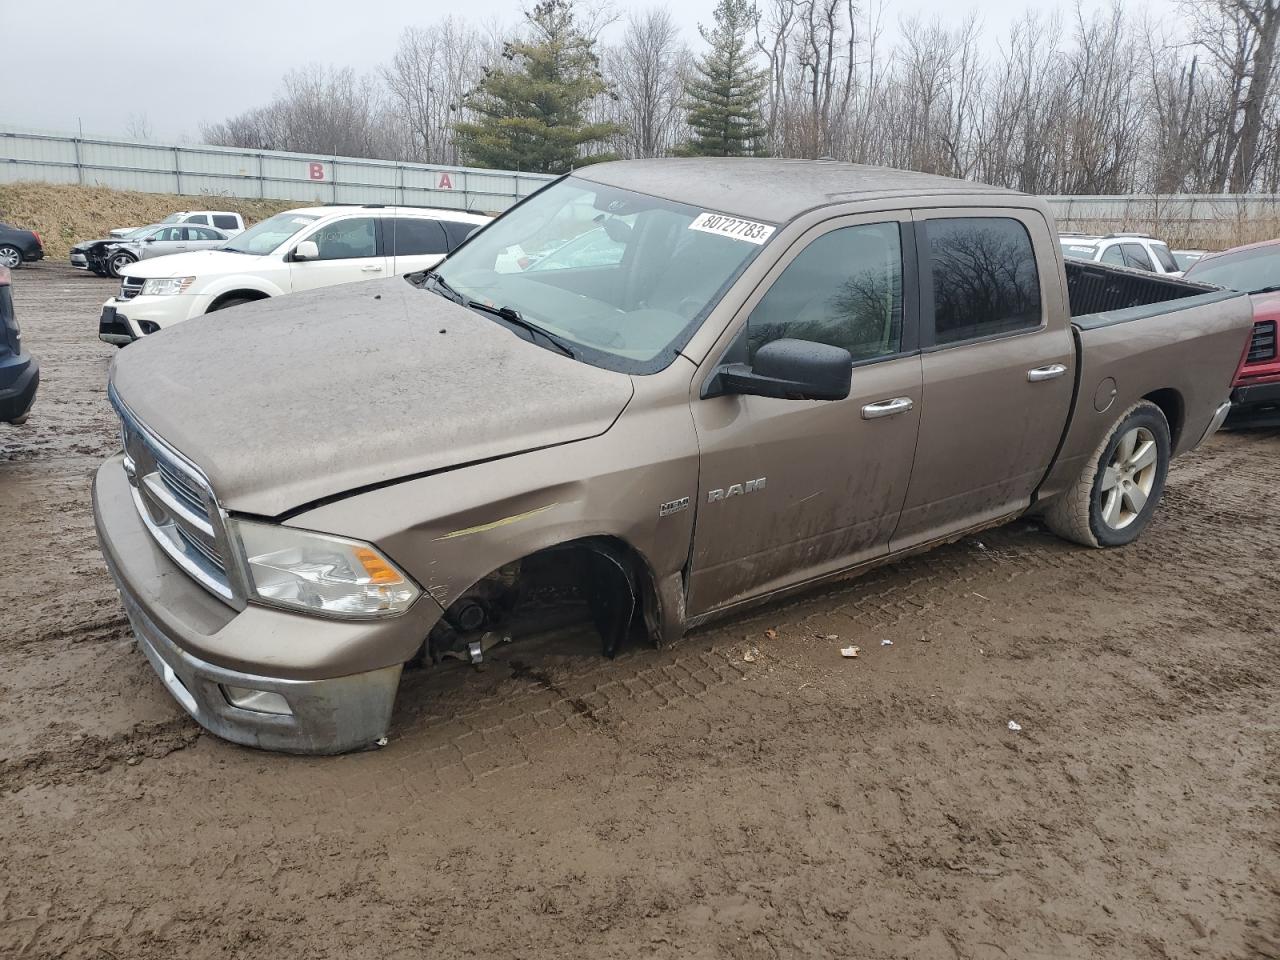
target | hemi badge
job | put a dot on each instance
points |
(673, 506)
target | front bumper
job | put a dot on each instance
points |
(338, 678)
(114, 327)
(79, 261)
(19, 378)
(1255, 405)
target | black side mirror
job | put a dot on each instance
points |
(148, 239)
(788, 370)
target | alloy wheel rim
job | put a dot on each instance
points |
(1129, 477)
(10, 257)
(120, 263)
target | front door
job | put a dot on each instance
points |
(350, 250)
(999, 370)
(793, 489)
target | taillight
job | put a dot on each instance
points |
(38, 240)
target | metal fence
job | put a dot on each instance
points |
(227, 172)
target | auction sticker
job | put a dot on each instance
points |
(734, 227)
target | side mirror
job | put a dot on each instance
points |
(148, 239)
(788, 370)
(306, 250)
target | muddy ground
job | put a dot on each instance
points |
(677, 804)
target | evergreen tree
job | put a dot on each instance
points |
(723, 95)
(531, 115)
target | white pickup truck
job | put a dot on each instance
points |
(297, 250)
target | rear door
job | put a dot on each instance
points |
(791, 490)
(204, 238)
(414, 243)
(998, 368)
(350, 250)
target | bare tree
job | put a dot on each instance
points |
(645, 71)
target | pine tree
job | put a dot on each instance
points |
(723, 95)
(532, 115)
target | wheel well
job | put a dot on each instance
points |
(603, 579)
(1170, 403)
(236, 295)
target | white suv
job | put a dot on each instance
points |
(228, 222)
(1136, 250)
(297, 250)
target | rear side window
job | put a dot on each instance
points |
(985, 280)
(225, 221)
(844, 289)
(457, 231)
(407, 237)
(1135, 255)
(1165, 256)
(1113, 254)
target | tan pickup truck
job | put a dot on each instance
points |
(714, 382)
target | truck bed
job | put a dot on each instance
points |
(1101, 294)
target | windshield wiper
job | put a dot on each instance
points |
(512, 316)
(1271, 289)
(443, 286)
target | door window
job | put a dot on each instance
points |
(225, 221)
(198, 218)
(416, 236)
(1113, 254)
(1135, 255)
(844, 289)
(171, 234)
(985, 280)
(347, 239)
(457, 231)
(1165, 256)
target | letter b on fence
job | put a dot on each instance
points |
(315, 171)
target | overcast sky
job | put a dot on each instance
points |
(182, 63)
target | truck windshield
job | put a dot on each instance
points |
(623, 278)
(1246, 270)
(262, 238)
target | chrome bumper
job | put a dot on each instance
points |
(327, 716)
(1219, 418)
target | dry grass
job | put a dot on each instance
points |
(65, 214)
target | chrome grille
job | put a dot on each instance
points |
(130, 287)
(177, 506)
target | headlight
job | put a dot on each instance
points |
(321, 573)
(167, 287)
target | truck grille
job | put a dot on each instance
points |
(1263, 345)
(130, 287)
(177, 506)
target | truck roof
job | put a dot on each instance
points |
(771, 189)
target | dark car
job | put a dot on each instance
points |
(19, 373)
(1253, 269)
(18, 246)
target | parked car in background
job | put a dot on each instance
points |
(1185, 258)
(794, 371)
(1253, 269)
(297, 250)
(112, 257)
(225, 220)
(91, 254)
(19, 246)
(1135, 250)
(19, 372)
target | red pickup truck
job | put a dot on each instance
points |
(1254, 269)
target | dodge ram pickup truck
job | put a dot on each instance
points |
(782, 372)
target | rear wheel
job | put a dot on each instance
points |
(1117, 492)
(10, 256)
(119, 262)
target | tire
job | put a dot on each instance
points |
(118, 261)
(10, 256)
(233, 302)
(96, 272)
(1117, 492)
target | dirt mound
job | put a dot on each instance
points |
(65, 214)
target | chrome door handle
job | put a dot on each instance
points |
(371, 268)
(1052, 372)
(887, 408)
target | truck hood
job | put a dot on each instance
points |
(197, 263)
(301, 398)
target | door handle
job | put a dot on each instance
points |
(887, 408)
(371, 268)
(1052, 372)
